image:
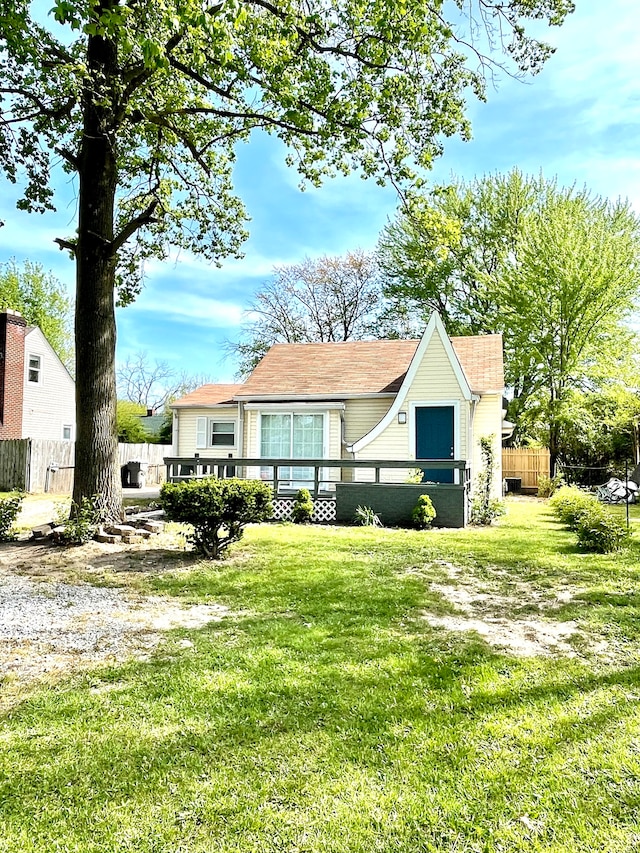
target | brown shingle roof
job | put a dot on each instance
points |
(209, 395)
(349, 368)
(481, 360)
(364, 367)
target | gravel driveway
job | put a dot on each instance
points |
(50, 624)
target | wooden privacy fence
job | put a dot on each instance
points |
(38, 465)
(526, 464)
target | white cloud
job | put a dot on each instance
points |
(188, 308)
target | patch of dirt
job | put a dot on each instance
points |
(54, 620)
(493, 614)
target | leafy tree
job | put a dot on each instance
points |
(599, 432)
(552, 269)
(42, 301)
(144, 102)
(130, 429)
(446, 251)
(568, 289)
(326, 299)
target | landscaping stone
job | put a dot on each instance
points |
(120, 529)
(43, 531)
(108, 538)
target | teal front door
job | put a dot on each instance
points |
(435, 440)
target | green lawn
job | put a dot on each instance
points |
(326, 713)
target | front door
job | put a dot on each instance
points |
(435, 440)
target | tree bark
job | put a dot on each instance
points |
(97, 473)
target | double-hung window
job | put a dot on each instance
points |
(222, 433)
(292, 435)
(215, 433)
(35, 369)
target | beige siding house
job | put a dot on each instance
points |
(427, 399)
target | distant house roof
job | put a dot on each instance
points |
(350, 368)
(208, 395)
(152, 424)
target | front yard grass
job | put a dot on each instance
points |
(331, 711)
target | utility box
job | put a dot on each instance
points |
(137, 473)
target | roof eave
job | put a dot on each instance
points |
(315, 398)
(203, 405)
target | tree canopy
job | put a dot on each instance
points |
(42, 301)
(555, 270)
(144, 102)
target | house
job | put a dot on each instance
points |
(37, 392)
(432, 398)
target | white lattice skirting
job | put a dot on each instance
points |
(324, 510)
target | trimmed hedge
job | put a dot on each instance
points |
(568, 502)
(599, 530)
(218, 510)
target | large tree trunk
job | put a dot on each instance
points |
(97, 471)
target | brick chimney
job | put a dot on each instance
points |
(12, 334)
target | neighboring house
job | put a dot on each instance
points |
(432, 398)
(152, 424)
(37, 393)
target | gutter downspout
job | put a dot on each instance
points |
(475, 399)
(241, 431)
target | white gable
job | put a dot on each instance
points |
(434, 374)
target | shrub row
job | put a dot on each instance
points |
(596, 527)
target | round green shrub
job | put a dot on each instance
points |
(599, 530)
(423, 513)
(218, 510)
(569, 502)
(9, 511)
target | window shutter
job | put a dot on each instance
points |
(201, 432)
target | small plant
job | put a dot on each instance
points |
(484, 507)
(82, 523)
(302, 510)
(547, 486)
(9, 511)
(423, 513)
(415, 475)
(366, 517)
(218, 510)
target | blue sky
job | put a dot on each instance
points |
(579, 119)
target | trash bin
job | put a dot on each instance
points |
(137, 473)
(514, 484)
(124, 476)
